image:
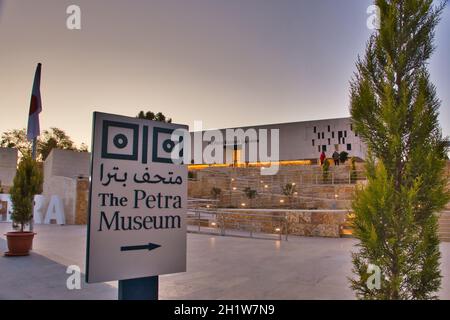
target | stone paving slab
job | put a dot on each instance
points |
(218, 268)
(37, 277)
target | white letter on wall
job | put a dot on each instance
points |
(38, 214)
(55, 211)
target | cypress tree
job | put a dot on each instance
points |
(395, 111)
(27, 183)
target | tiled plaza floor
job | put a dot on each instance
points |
(218, 268)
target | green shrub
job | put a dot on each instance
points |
(353, 173)
(288, 189)
(215, 192)
(343, 156)
(191, 175)
(325, 171)
(250, 193)
(27, 183)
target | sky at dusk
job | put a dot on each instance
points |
(226, 62)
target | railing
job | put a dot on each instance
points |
(239, 224)
(308, 178)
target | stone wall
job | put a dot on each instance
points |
(65, 175)
(8, 167)
(317, 223)
(65, 188)
(312, 191)
(67, 163)
(81, 202)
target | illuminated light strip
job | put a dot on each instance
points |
(251, 164)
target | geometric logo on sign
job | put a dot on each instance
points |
(120, 140)
(163, 145)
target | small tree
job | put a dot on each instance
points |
(325, 171)
(250, 194)
(50, 139)
(353, 173)
(395, 109)
(149, 115)
(27, 183)
(289, 190)
(16, 138)
(215, 192)
(343, 156)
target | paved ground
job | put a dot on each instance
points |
(218, 268)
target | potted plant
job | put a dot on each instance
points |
(27, 183)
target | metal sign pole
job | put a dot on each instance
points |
(139, 289)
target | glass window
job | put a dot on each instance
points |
(323, 135)
(329, 141)
(332, 134)
(329, 128)
(349, 147)
(324, 148)
(315, 129)
(313, 142)
(318, 135)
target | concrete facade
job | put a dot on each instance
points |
(311, 190)
(8, 166)
(67, 163)
(62, 171)
(297, 141)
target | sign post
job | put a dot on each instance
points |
(137, 204)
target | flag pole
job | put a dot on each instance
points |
(33, 130)
(33, 154)
(34, 148)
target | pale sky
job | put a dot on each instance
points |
(226, 62)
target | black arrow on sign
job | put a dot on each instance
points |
(150, 246)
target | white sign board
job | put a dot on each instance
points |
(138, 200)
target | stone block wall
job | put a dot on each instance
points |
(8, 168)
(312, 192)
(81, 201)
(66, 174)
(295, 222)
(65, 188)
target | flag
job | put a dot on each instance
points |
(35, 106)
